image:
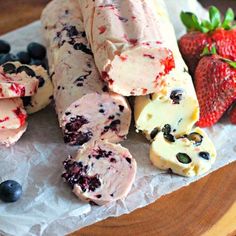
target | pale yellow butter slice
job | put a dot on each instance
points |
(185, 157)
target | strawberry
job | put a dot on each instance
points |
(210, 33)
(232, 114)
(215, 83)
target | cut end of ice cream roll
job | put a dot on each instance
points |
(96, 116)
(140, 70)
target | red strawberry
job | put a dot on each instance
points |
(215, 83)
(232, 115)
(222, 35)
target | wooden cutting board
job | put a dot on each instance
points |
(206, 207)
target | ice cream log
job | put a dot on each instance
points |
(86, 110)
(176, 105)
(131, 49)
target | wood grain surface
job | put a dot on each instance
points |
(206, 207)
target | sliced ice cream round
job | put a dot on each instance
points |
(176, 105)
(12, 113)
(17, 82)
(101, 173)
(96, 116)
(9, 137)
(190, 155)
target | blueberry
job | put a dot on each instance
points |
(9, 68)
(4, 47)
(183, 158)
(8, 57)
(41, 81)
(26, 101)
(27, 70)
(196, 137)
(205, 155)
(42, 63)
(10, 191)
(36, 51)
(24, 57)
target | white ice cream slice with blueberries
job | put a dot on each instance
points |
(190, 155)
(176, 105)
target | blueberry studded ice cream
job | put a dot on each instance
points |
(86, 110)
(190, 155)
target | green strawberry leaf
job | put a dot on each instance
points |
(190, 21)
(213, 50)
(229, 18)
(207, 52)
(206, 26)
(214, 15)
(231, 63)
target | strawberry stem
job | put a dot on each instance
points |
(192, 23)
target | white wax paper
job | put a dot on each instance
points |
(48, 206)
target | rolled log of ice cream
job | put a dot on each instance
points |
(86, 110)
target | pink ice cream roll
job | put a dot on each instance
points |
(86, 110)
(129, 44)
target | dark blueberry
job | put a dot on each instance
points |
(41, 81)
(9, 68)
(205, 155)
(183, 158)
(176, 96)
(83, 48)
(94, 183)
(113, 160)
(76, 123)
(9, 57)
(166, 129)
(27, 70)
(42, 63)
(196, 137)
(26, 101)
(102, 154)
(24, 57)
(4, 47)
(10, 191)
(128, 160)
(105, 89)
(36, 51)
(169, 138)
(68, 113)
(150, 96)
(101, 111)
(72, 31)
(114, 124)
(111, 117)
(99, 196)
(121, 108)
(154, 132)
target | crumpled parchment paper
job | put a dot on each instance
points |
(48, 206)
